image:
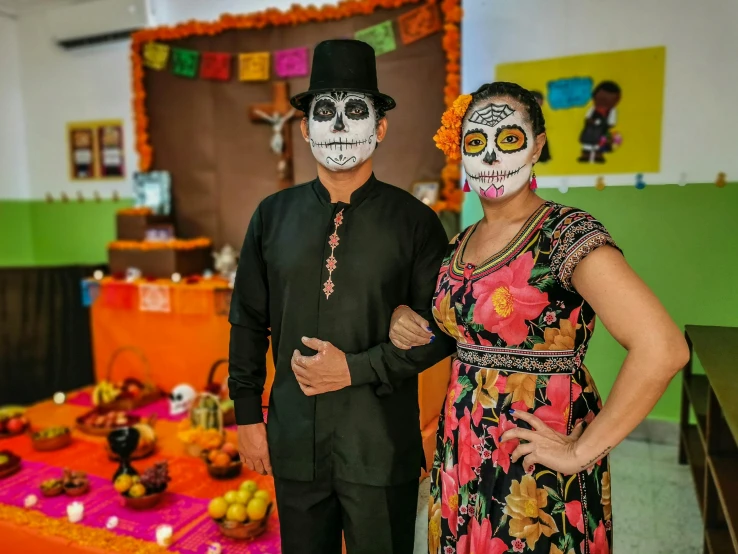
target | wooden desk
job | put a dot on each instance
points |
(709, 431)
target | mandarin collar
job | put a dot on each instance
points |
(357, 197)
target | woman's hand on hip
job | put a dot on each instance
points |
(408, 329)
(542, 445)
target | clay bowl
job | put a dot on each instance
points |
(49, 444)
(11, 466)
(55, 490)
(77, 490)
(230, 471)
(244, 531)
(143, 502)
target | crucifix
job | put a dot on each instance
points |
(279, 114)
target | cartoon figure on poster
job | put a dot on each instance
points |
(598, 136)
(545, 153)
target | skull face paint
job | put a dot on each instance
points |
(496, 150)
(342, 128)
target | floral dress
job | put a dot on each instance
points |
(522, 333)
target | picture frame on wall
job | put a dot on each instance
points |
(81, 151)
(111, 156)
(96, 150)
(426, 191)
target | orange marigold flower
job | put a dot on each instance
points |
(448, 137)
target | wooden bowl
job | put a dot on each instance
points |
(244, 531)
(51, 443)
(143, 502)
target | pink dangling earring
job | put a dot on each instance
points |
(466, 188)
(533, 181)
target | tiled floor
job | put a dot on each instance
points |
(654, 504)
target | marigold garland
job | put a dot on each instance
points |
(143, 210)
(297, 15)
(148, 245)
(78, 533)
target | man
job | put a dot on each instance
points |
(323, 266)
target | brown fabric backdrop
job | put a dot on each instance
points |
(220, 161)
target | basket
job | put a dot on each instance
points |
(205, 412)
(150, 392)
(229, 416)
(245, 531)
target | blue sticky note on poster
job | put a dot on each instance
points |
(573, 92)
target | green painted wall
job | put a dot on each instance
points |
(37, 233)
(16, 242)
(680, 240)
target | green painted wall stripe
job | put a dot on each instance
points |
(38, 233)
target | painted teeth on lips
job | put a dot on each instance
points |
(496, 176)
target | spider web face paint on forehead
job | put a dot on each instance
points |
(342, 129)
(492, 114)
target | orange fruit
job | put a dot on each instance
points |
(137, 490)
(237, 512)
(222, 460)
(212, 455)
(256, 509)
(218, 508)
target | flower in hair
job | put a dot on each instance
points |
(448, 137)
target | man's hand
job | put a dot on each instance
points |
(253, 448)
(326, 371)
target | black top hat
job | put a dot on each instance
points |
(343, 65)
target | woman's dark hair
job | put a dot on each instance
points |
(518, 93)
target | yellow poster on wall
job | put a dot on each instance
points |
(603, 111)
(96, 150)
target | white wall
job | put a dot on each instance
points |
(701, 38)
(61, 86)
(13, 164)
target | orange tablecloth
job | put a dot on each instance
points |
(181, 349)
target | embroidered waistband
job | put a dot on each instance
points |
(519, 360)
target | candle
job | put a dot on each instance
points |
(75, 512)
(112, 523)
(164, 535)
(30, 501)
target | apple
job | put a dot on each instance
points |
(15, 425)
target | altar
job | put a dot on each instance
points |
(182, 344)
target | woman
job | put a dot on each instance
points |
(521, 462)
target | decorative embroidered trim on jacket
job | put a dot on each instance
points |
(329, 287)
(517, 360)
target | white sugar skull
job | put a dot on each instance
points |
(181, 399)
(343, 129)
(496, 147)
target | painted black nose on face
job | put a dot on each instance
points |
(338, 125)
(490, 157)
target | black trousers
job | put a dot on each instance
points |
(375, 520)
